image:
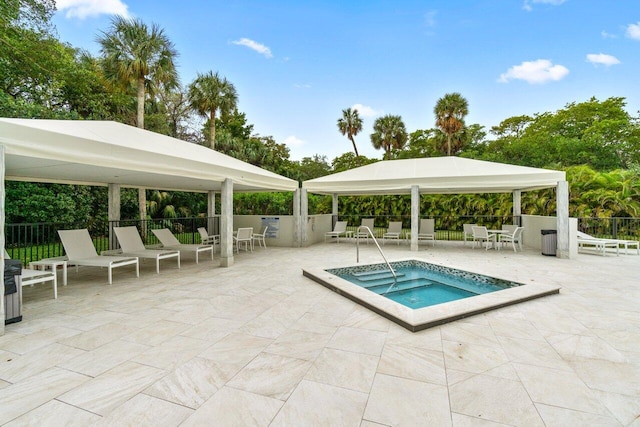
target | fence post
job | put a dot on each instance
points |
(614, 227)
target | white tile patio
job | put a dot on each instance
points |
(259, 344)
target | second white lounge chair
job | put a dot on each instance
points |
(80, 251)
(393, 232)
(132, 245)
(169, 241)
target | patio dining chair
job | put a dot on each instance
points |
(467, 230)
(260, 237)
(244, 236)
(513, 238)
(208, 239)
(481, 234)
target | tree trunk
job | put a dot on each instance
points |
(212, 129)
(140, 119)
(354, 145)
(448, 145)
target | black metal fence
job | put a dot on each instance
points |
(31, 242)
(34, 241)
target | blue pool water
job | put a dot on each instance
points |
(421, 284)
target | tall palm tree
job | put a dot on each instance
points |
(134, 54)
(389, 132)
(350, 124)
(210, 93)
(450, 111)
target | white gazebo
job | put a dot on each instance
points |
(446, 175)
(105, 153)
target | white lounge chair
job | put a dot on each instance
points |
(80, 251)
(260, 237)
(169, 241)
(363, 234)
(338, 230)
(244, 235)
(584, 237)
(467, 230)
(481, 234)
(514, 237)
(426, 230)
(393, 232)
(132, 245)
(31, 277)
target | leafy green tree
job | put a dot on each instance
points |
(389, 132)
(350, 125)
(450, 111)
(599, 134)
(210, 93)
(349, 161)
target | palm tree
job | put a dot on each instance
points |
(350, 124)
(134, 54)
(210, 93)
(450, 111)
(389, 132)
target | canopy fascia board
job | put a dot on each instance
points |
(100, 153)
(441, 175)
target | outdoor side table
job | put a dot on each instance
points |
(53, 264)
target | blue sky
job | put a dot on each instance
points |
(297, 64)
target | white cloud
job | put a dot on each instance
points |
(293, 141)
(253, 45)
(302, 85)
(606, 35)
(90, 8)
(603, 59)
(430, 18)
(527, 3)
(535, 72)
(633, 31)
(365, 111)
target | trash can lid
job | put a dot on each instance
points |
(549, 231)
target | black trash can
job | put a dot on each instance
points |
(549, 242)
(12, 291)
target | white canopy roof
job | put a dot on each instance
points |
(103, 152)
(435, 175)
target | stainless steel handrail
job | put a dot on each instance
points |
(393, 272)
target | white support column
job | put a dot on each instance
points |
(334, 204)
(113, 213)
(226, 223)
(415, 216)
(304, 216)
(2, 238)
(297, 218)
(211, 211)
(517, 205)
(562, 215)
